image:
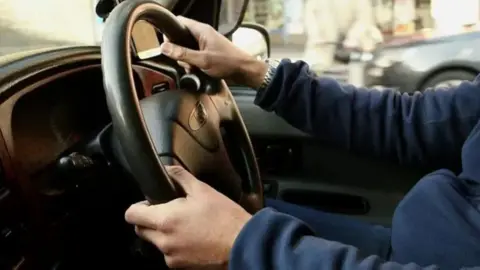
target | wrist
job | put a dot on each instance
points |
(240, 221)
(252, 73)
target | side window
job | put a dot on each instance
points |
(346, 39)
(315, 30)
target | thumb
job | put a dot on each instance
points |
(182, 177)
(189, 56)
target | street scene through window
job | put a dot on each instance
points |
(355, 41)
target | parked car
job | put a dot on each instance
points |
(420, 61)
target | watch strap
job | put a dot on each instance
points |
(272, 69)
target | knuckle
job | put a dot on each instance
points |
(202, 40)
(170, 262)
(162, 245)
(165, 223)
(179, 52)
(176, 171)
(207, 61)
(138, 231)
(205, 27)
(173, 262)
(202, 187)
(129, 214)
(210, 29)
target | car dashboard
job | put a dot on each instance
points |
(43, 120)
(53, 117)
(49, 119)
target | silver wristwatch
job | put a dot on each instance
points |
(272, 69)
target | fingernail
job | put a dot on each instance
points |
(166, 48)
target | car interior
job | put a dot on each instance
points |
(85, 132)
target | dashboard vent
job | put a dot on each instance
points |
(161, 87)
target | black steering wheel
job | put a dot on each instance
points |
(175, 127)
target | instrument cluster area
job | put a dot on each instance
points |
(49, 120)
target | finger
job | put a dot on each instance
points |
(179, 53)
(186, 66)
(145, 203)
(141, 214)
(182, 177)
(155, 237)
(165, 38)
(177, 262)
(162, 217)
(195, 27)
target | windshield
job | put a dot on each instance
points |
(33, 24)
(27, 24)
(296, 27)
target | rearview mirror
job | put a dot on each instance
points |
(231, 15)
(254, 39)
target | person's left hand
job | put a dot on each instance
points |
(192, 232)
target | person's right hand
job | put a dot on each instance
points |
(217, 57)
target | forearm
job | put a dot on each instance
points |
(251, 72)
(411, 129)
(272, 240)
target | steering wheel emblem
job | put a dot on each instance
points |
(198, 117)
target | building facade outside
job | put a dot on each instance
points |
(393, 17)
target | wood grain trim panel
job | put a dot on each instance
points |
(150, 78)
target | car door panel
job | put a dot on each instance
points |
(299, 169)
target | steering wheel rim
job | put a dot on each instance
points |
(131, 121)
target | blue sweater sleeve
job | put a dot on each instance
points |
(271, 240)
(425, 128)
